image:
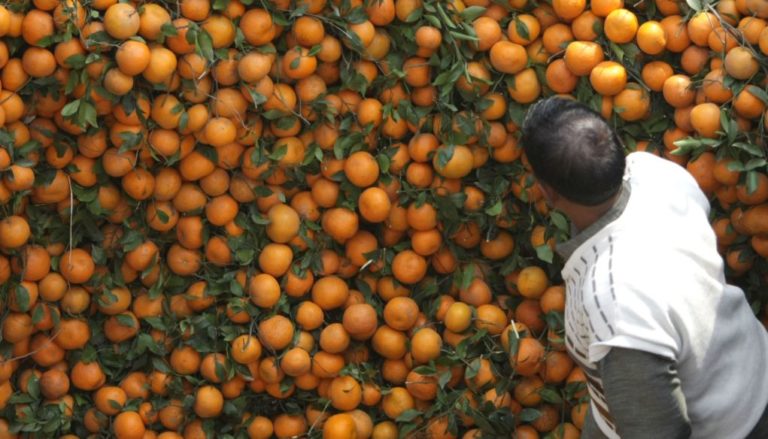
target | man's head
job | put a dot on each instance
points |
(573, 151)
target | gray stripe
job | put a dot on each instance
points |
(597, 302)
(610, 265)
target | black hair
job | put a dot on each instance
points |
(572, 149)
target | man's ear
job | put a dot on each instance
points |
(550, 195)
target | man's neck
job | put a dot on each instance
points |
(583, 217)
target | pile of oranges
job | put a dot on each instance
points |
(313, 218)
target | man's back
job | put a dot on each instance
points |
(652, 280)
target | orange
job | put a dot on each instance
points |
(678, 91)
(276, 332)
(568, 9)
(602, 8)
(397, 401)
(676, 33)
(109, 399)
(582, 56)
(523, 29)
(508, 57)
(714, 87)
(330, 292)
(409, 267)
(283, 223)
(620, 26)
(458, 317)
(532, 282)
(488, 33)
(760, 193)
(345, 393)
(374, 205)
(705, 119)
(586, 26)
(122, 21)
(747, 105)
(76, 266)
(132, 57)
(360, 321)
(334, 338)
(651, 38)
(425, 345)
(209, 402)
(129, 425)
(453, 164)
(751, 28)
(740, 64)
(14, 232)
(341, 426)
(700, 26)
(608, 78)
(401, 313)
(361, 168)
(340, 223)
(526, 88)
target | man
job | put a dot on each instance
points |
(669, 349)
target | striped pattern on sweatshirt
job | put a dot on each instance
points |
(586, 317)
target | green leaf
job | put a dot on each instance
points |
(220, 5)
(384, 162)
(758, 93)
(444, 155)
(473, 368)
(416, 14)
(221, 372)
(461, 36)
(750, 148)
(754, 164)
(162, 216)
(356, 15)
(551, 396)
(315, 50)
(205, 45)
(467, 275)
(285, 122)
(295, 63)
(559, 220)
(444, 379)
(71, 108)
(521, 28)
(514, 342)
(125, 320)
(156, 323)
(272, 114)
(472, 12)
(76, 61)
(752, 182)
(408, 415)
(22, 298)
(279, 153)
(617, 51)
(544, 252)
(87, 113)
(37, 315)
(528, 415)
(494, 210)
(434, 21)
(168, 30)
(245, 255)
(33, 386)
(696, 5)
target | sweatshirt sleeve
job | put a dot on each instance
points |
(644, 395)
